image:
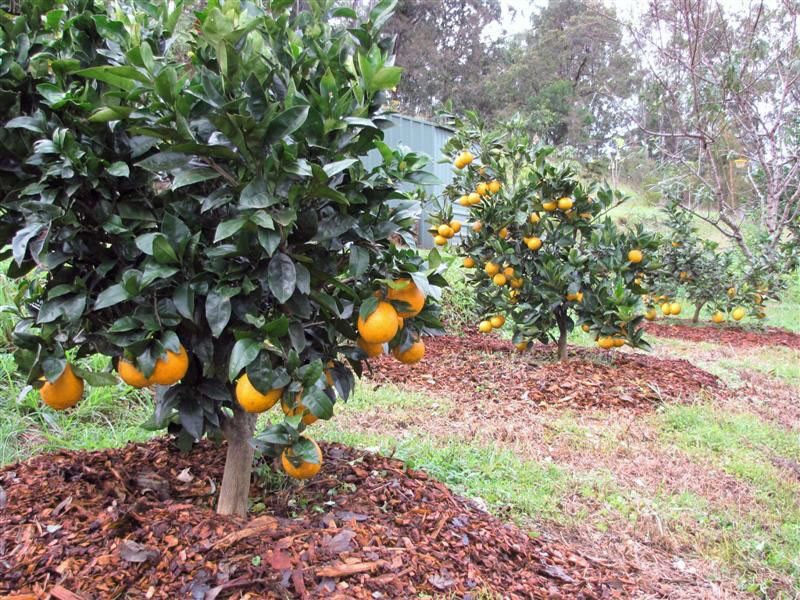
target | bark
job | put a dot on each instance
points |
(562, 339)
(697, 309)
(233, 494)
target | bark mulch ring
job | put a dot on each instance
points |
(726, 334)
(476, 368)
(138, 522)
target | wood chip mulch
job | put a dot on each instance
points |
(726, 334)
(137, 522)
(481, 369)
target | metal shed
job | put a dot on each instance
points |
(428, 138)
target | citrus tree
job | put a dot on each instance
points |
(705, 274)
(192, 203)
(541, 252)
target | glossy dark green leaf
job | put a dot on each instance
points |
(286, 123)
(244, 352)
(111, 296)
(218, 312)
(282, 277)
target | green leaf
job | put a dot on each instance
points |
(368, 307)
(244, 352)
(281, 277)
(359, 261)
(163, 252)
(385, 78)
(254, 195)
(125, 78)
(218, 312)
(192, 176)
(318, 403)
(119, 169)
(269, 240)
(286, 123)
(183, 297)
(111, 296)
(162, 162)
(333, 168)
(53, 367)
(228, 228)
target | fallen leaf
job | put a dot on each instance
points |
(136, 553)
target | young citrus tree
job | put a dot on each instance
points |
(540, 251)
(204, 217)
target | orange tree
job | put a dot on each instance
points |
(203, 216)
(540, 250)
(706, 275)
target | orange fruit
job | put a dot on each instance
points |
(651, 314)
(411, 295)
(304, 470)
(172, 368)
(508, 271)
(674, 308)
(468, 262)
(455, 226)
(482, 189)
(738, 313)
(521, 346)
(731, 292)
(573, 297)
(549, 206)
(445, 231)
(534, 243)
(497, 321)
(491, 268)
(666, 308)
(517, 283)
(477, 226)
(380, 326)
(371, 350)
(535, 218)
(499, 279)
(635, 256)
(411, 355)
(619, 342)
(251, 399)
(64, 392)
(564, 204)
(131, 375)
(718, 317)
(485, 326)
(299, 409)
(463, 201)
(605, 342)
(440, 240)
(494, 186)
(474, 198)
(503, 233)
(586, 327)
(458, 163)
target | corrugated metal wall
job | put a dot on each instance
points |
(425, 138)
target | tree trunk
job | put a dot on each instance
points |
(233, 494)
(562, 339)
(697, 309)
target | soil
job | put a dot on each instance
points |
(481, 369)
(138, 522)
(725, 334)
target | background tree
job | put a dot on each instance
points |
(543, 255)
(207, 221)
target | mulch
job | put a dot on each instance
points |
(726, 334)
(138, 522)
(485, 370)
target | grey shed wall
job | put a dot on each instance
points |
(428, 138)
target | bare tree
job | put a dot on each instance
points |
(727, 86)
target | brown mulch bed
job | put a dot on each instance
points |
(476, 368)
(726, 334)
(137, 522)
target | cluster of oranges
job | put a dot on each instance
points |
(500, 278)
(495, 322)
(564, 204)
(463, 159)
(607, 342)
(483, 190)
(445, 231)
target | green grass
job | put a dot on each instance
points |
(106, 417)
(786, 314)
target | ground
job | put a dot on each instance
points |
(671, 474)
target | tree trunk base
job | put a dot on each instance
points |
(235, 489)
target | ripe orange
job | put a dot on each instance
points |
(619, 342)
(674, 308)
(482, 189)
(635, 256)
(304, 470)
(411, 355)
(463, 201)
(534, 243)
(251, 399)
(171, 369)
(474, 198)
(440, 240)
(497, 321)
(380, 326)
(517, 283)
(508, 271)
(131, 375)
(458, 163)
(586, 327)
(494, 186)
(503, 233)
(477, 226)
(535, 218)
(485, 326)
(468, 262)
(718, 317)
(455, 226)
(521, 346)
(400, 322)
(549, 206)
(731, 292)
(738, 313)
(666, 308)
(605, 342)
(64, 392)
(651, 314)
(299, 409)
(410, 294)
(445, 231)
(499, 279)
(371, 350)
(564, 204)
(491, 268)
